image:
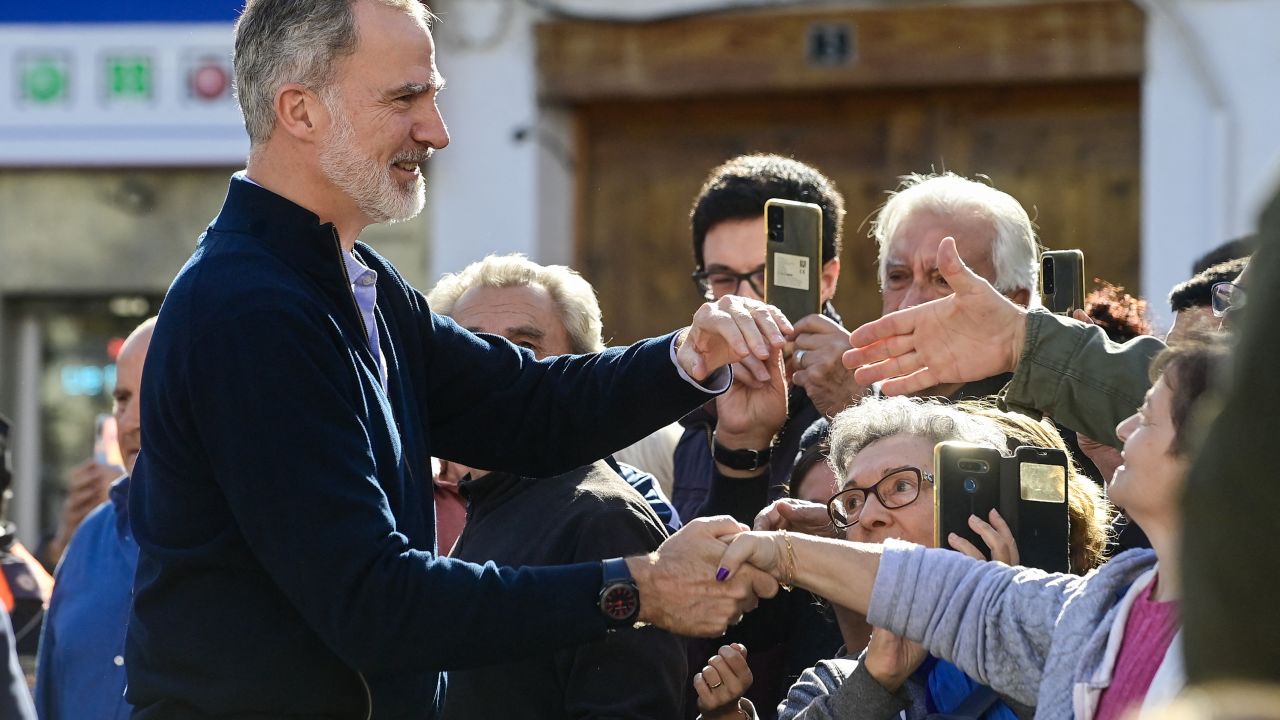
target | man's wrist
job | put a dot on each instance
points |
(641, 567)
(750, 440)
(1017, 344)
(744, 461)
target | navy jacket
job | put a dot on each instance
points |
(282, 502)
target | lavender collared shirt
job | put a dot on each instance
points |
(364, 286)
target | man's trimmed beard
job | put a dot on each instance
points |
(367, 182)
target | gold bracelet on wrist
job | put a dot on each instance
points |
(789, 585)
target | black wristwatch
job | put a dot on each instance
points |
(619, 596)
(740, 459)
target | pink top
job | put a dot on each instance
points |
(1147, 636)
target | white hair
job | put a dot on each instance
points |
(572, 294)
(854, 428)
(1014, 249)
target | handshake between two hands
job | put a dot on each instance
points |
(714, 570)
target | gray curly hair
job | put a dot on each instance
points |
(877, 418)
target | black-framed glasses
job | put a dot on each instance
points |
(1227, 296)
(718, 283)
(898, 488)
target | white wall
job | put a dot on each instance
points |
(1211, 151)
(482, 189)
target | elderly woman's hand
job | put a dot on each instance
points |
(892, 658)
(722, 683)
(995, 534)
(797, 516)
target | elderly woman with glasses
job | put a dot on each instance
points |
(882, 455)
(1098, 646)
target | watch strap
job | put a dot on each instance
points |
(741, 459)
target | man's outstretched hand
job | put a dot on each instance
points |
(972, 334)
(678, 587)
(732, 330)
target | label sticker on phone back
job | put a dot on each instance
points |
(791, 271)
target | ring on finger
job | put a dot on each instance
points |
(800, 358)
(718, 684)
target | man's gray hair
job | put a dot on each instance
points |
(1014, 249)
(293, 41)
(573, 295)
(877, 418)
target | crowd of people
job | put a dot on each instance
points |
(346, 498)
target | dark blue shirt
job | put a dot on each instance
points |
(80, 672)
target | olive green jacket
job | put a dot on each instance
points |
(1074, 373)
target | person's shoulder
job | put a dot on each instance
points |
(835, 670)
(599, 485)
(95, 531)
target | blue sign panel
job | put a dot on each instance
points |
(120, 11)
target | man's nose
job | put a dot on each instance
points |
(750, 290)
(431, 130)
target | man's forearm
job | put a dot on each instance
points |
(1070, 371)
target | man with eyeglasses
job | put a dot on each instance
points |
(727, 221)
(736, 455)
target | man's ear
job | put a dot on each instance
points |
(299, 111)
(830, 276)
(1021, 296)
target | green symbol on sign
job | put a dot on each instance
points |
(44, 81)
(129, 77)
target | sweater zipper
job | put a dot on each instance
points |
(350, 293)
(368, 695)
(337, 244)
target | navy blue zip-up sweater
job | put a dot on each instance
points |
(282, 500)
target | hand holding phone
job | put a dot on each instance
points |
(793, 257)
(1028, 491)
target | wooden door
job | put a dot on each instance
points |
(1069, 152)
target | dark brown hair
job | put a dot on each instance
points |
(1189, 369)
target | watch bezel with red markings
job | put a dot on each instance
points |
(620, 602)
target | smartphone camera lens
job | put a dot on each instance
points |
(774, 223)
(1046, 275)
(970, 485)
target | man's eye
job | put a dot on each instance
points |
(721, 279)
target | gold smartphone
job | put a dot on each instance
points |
(1062, 280)
(793, 257)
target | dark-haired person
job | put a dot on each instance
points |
(727, 223)
(1192, 300)
(1098, 646)
(1241, 247)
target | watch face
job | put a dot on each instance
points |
(619, 602)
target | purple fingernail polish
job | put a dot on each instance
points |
(722, 574)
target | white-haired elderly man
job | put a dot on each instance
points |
(589, 513)
(993, 234)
